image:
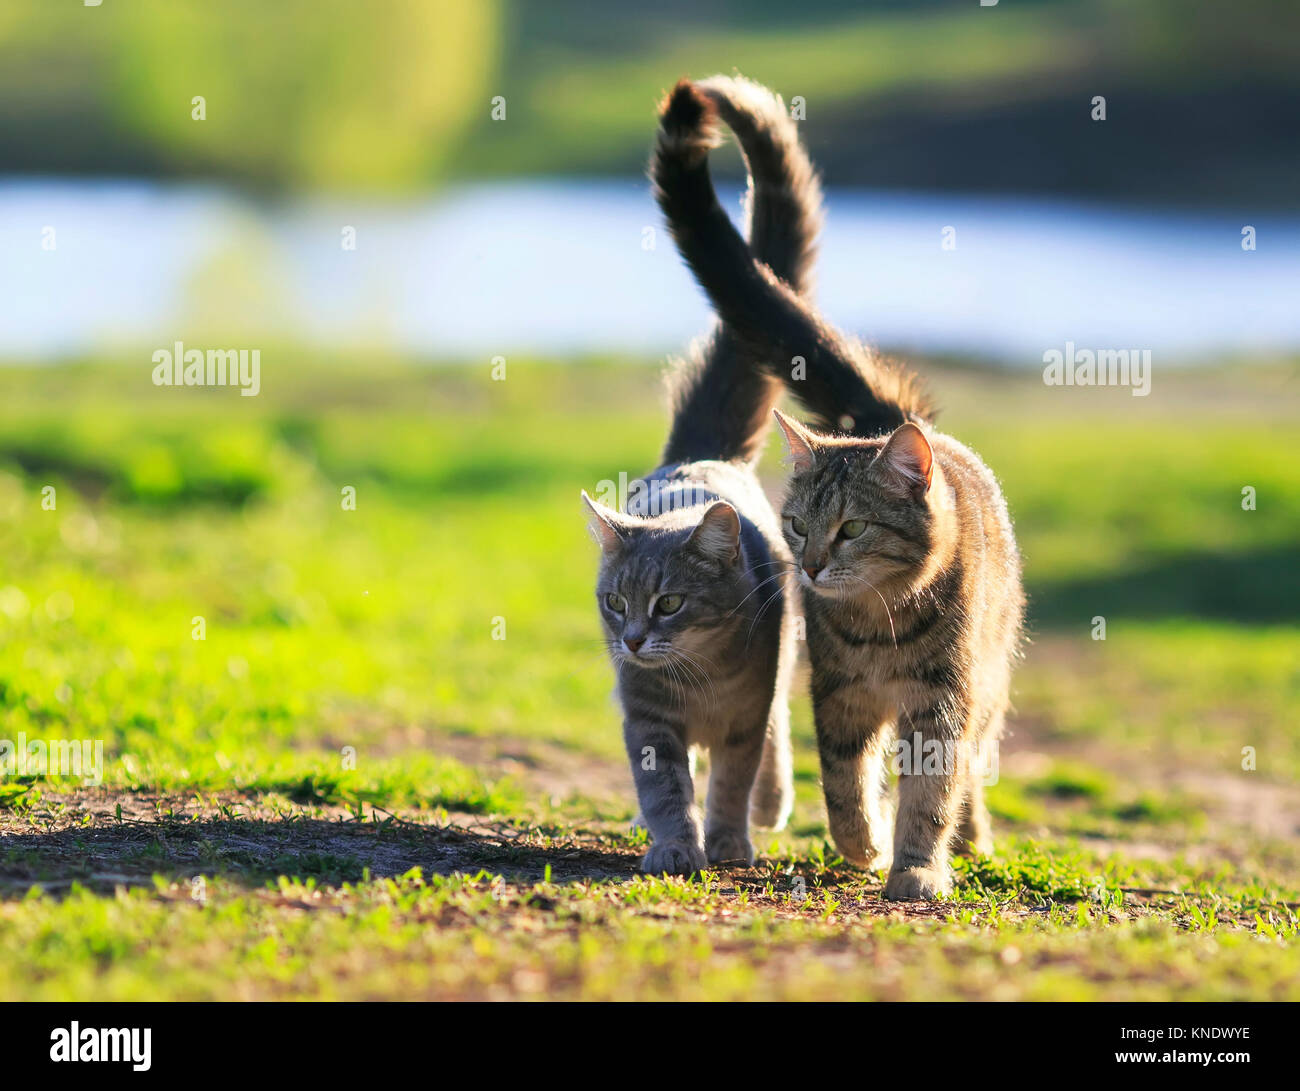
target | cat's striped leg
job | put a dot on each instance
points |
(930, 797)
(639, 822)
(854, 765)
(661, 768)
(733, 767)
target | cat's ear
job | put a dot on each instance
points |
(798, 440)
(907, 460)
(606, 525)
(718, 533)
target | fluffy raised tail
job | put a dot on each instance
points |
(836, 379)
(722, 401)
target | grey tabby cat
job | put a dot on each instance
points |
(693, 589)
(910, 571)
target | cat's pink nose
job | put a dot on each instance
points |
(633, 645)
(813, 570)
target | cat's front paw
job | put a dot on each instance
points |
(917, 884)
(728, 846)
(673, 857)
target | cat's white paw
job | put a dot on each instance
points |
(915, 884)
(728, 846)
(673, 857)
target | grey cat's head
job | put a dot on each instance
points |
(861, 514)
(668, 584)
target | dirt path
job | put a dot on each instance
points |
(102, 839)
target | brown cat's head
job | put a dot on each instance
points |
(861, 515)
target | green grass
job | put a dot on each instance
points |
(351, 788)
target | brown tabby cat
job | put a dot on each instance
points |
(906, 554)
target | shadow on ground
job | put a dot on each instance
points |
(1259, 587)
(252, 852)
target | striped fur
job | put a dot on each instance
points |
(713, 672)
(907, 559)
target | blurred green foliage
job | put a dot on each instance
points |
(311, 92)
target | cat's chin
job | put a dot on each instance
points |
(829, 590)
(645, 662)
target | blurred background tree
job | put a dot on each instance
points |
(318, 93)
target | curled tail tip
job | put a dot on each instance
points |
(770, 138)
(688, 121)
(739, 93)
(684, 107)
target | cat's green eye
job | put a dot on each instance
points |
(854, 528)
(798, 526)
(669, 604)
(616, 602)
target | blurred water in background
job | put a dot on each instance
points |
(560, 268)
